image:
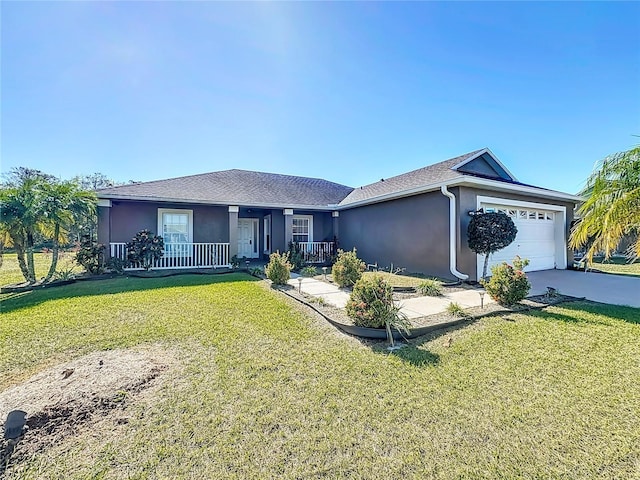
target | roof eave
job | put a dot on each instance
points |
(141, 198)
(467, 181)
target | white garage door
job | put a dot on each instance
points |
(536, 239)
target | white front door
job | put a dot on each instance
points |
(248, 237)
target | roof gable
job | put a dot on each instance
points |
(485, 164)
(429, 175)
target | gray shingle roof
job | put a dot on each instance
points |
(429, 175)
(236, 187)
(243, 187)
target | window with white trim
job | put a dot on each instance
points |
(302, 228)
(175, 226)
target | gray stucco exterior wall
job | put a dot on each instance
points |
(411, 233)
(277, 231)
(210, 223)
(104, 225)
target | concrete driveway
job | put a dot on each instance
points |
(599, 287)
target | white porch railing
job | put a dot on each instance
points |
(182, 255)
(316, 252)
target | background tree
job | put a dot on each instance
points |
(37, 205)
(87, 224)
(612, 207)
(64, 204)
(490, 232)
(21, 219)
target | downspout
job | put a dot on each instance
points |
(452, 234)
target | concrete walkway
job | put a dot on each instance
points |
(599, 287)
(613, 289)
(411, 307)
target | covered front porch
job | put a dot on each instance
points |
(215, 255)
(240, 233)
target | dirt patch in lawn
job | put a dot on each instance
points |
(68, 398)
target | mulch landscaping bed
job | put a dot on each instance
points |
(423, 325)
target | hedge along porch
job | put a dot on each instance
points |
(208, 236)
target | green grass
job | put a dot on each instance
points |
(10, 272)
(398, 280)
(269, 392)
(618, 265)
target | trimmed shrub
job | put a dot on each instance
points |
(91, 255)
(116, 265)
(371, 305)
(278, 269)
(348, 268)
(308, 271)
(371, 302)
(145, 248)
(508, 284)
(430, 287)
(296, 258)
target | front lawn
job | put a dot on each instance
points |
(10, 271)
(618, 265)
(267, 391)
(398, 280)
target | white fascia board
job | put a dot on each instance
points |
(394, 195)
(479, 154)
(471, 182)
(275, 206)
(521, 189)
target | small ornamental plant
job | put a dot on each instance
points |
(145, 248)
(456, 310)
(296, 257)
(370, 302)
(308, 271)
(278, 269)
(91, 255)
(508, 284)
(430, 287)
(371, 305)
(348, 268)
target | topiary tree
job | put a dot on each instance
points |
(348, 268)
(145, 248)
(490, 232)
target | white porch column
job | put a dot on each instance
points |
(233, 230)
(288, 226)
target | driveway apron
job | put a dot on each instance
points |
(599, 287)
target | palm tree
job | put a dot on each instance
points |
(33, 203)
(63, 204)
(20, 220)
(612, 208)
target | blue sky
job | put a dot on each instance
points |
(350, 92)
